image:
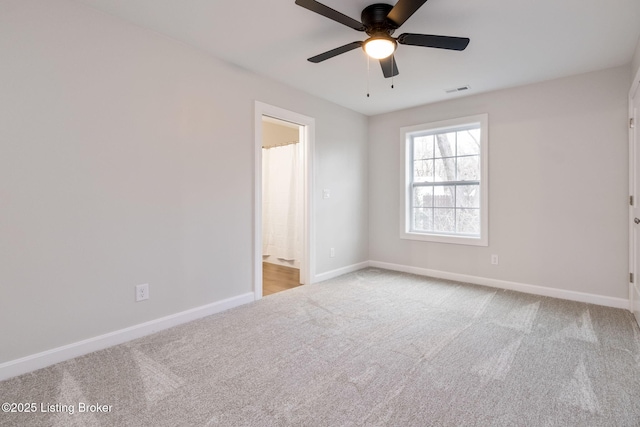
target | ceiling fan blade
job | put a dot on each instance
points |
(389, 66)
(334, 52)
(327, 12)
(428, 40)
(403, 10)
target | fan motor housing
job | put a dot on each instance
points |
(374, 18)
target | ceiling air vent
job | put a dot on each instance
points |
(457, 89)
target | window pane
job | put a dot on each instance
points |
(445, 170)
(423, 147)
(468, 168)
(468, 221)
(445, 144)
(444, 220)
(468, 142)
(468, 196)
(423, 197)
(423, 219)
(444, 196)
(423, 171)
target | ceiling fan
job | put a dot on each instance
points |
(379, 21)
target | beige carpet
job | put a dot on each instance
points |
(366, 349)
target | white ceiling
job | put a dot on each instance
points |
(513, 42)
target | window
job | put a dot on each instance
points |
(444, 181)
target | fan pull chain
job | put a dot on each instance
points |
(393, 68)
(368, 76)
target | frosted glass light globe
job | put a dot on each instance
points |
(379, 48)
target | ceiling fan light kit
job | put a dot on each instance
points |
(380, 47)
(379, 21)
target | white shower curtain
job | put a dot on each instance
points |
(281, 203)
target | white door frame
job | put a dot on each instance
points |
(634, 191)
(307, 267)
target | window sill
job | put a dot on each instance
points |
(438, 238)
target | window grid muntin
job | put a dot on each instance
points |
(433, 208)
(455, 183)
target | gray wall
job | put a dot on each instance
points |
(128, 158)
(558, 179)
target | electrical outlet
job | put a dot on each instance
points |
(494, 259)
(332, 252)
(142, 292)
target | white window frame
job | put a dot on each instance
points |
(406, 171)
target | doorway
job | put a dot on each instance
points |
(283, 235)
(282, 204)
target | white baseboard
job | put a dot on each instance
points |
(340, 271)
(513, 286)
(46, 358)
